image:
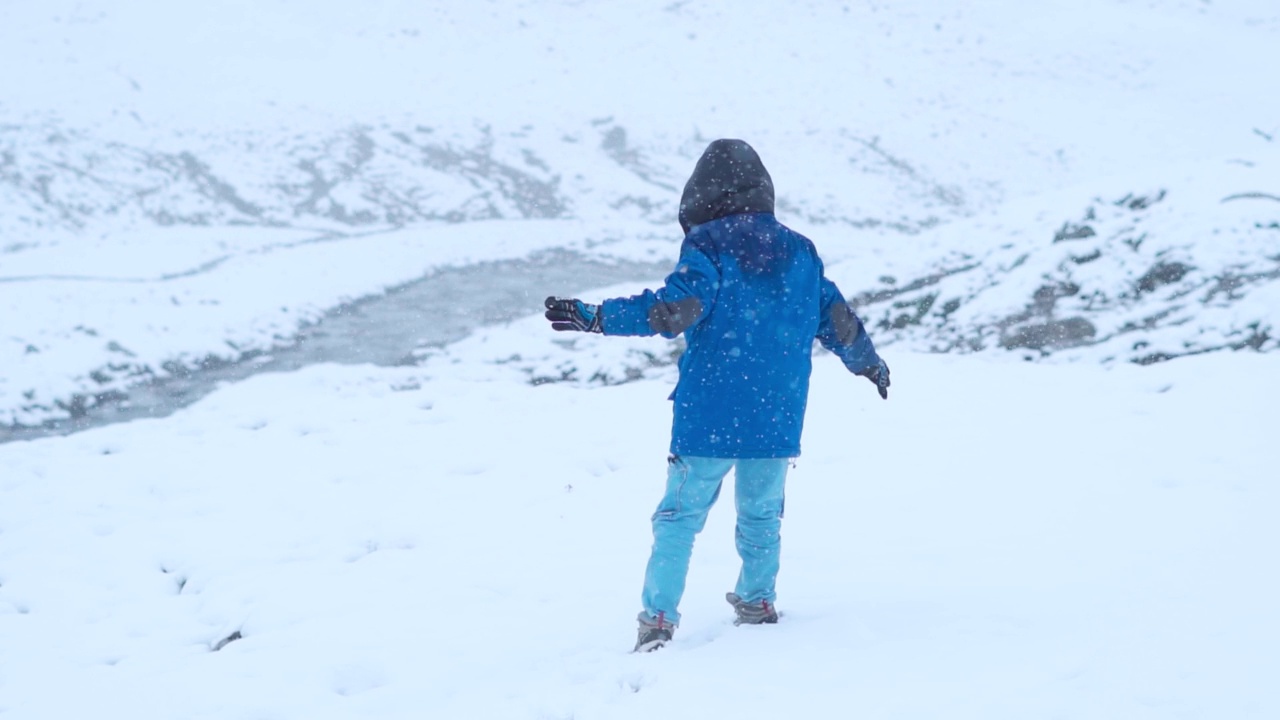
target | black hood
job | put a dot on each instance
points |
(729, 179)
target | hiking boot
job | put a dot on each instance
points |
(653, 633)
(756, 613)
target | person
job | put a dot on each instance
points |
(749, 295)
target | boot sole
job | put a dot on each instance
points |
(651, 646)
(767, 621)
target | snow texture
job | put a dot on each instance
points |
(181, 188)
(999, 539)
(1059, 220)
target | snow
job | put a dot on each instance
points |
(999, 539)
(1046, 519)
(153, 155)
(1165, 270)
(184, 305)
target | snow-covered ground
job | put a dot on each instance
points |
(998, 540)
(1092, 185)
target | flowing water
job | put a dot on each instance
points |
(383, 330)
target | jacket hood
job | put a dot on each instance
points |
(729, 179)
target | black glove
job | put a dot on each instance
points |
(573, 314)
(878, 374)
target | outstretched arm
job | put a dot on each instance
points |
(842, 332)
(682, 302)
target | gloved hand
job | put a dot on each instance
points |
(573, 314)
(878, 374)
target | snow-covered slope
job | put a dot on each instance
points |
(998, 540)
(1137, 273)
(161, 165)
(1091, 183)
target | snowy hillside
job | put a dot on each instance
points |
(307, 244)
(165, 235)
(1146, 276)
(158, 167)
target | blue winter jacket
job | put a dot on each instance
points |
(750, 296)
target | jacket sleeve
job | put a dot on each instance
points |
(682, 302)
(841, 331)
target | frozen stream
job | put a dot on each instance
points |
(383, 329)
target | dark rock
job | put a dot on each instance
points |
(1162, 273)
(1069, 231)
(1046, 296)
(1055, 334)
(1135, 242)
(1141, 201)
(919, 308)
(1257, 338)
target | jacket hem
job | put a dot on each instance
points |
(738, 454)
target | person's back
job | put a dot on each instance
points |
(744, 377)
(750, 297)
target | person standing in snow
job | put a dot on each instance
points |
(749, 294)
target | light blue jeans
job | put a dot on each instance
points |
(693, 486)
